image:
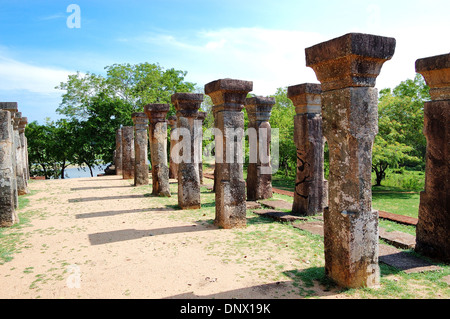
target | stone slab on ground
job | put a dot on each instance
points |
(253, 205)
(278, 215)
(276, 204)
(398, 239)
(398, 218)
(403, 261)
(314, 227)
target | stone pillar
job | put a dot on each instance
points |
(12, 108)
(347, 68)
(259, 171)
(308, 138)
(201, 117)
(128, 152)
(173, 167)
(228, 97)
(433, 227)
(23, 143)
(158, 147)
(187, 105)
(8, 215)
(119, 152)
(140, 121)
(20, 177)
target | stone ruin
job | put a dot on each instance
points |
(347, 68)
(14, 169)
(433, 227)
(157, 132)
(341, 109)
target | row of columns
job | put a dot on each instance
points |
(14, 169)
(341, 109)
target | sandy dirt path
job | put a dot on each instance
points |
(102, 237)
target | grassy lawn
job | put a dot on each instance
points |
(399, 193)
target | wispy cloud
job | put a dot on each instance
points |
(53, 17)
(269, 58)
(16, 75)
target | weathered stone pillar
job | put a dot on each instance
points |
(228, 97)
(187, 105)
(259, 171)
(173, 167)
(119, 152)
(20, 177)
(308, 138)
(158, 147)
(347, 68)
(128, 152)
(201, 117)
(23, 143)
(140, 121)
(8, 215)
(12, 108)
(433, 227)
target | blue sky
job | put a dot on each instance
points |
(261, 41)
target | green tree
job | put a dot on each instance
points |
(45, 153)
(282, 117)
(400, 141)
(135, 85)
(400, 115)
(389, 154)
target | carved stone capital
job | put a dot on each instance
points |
(352, 60)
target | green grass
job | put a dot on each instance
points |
(399, 193)
(11, 237)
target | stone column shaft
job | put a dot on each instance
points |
(433, 227)
(228, 97)
(187, 105)
(308, 137)
(347, 68)
(119, 153)
(8, 215)
(259, 171)
(158, 147)
(201, 117)
(173, 167)
(128, 152)
(140, 121)
(20, 176)
(23, 146)
(13, 109)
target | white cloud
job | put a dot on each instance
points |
(269, 58)
(276, 58)
(16, 75)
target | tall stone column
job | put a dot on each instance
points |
(433, 226)
(20, 177)
(12, 108)
(308, 138)
(228, 97)
(8, 215)
(119, 152)
(201, 118)
(187, 105)
(173, 166)
(259, 171)
(128, 152)
(23, 143)
(347, 68)
(140, 121)
(158, 147)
